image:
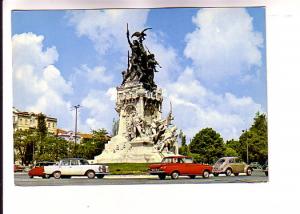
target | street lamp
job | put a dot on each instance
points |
(76, 107)
(247, 146)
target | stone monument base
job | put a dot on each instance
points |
(139, 150)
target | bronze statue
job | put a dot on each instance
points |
(141, 65)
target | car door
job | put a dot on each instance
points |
(190, 167)
(75, 168)
(240, 165)
(64, 167)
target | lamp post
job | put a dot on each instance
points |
(247, 146)
(75, 136)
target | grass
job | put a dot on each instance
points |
(128, 168)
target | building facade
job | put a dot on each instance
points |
(25, 120)
(70, 136)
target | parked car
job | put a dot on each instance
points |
(76, 167)
(266, 168)
(255, 165)
(176, 166)
(18, 168)
(38, 169)
(231, 165)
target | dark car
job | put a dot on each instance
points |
(38, 169)
(266, 168)
(255, 165)
(176, 166)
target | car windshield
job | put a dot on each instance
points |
(220, 161)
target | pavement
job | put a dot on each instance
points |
(22, 179)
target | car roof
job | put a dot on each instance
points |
(73, 159)
(177, 156)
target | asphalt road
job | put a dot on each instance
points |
(22, 179)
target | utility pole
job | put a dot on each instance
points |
(247, 153)
(75, 140)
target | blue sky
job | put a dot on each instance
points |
(213, 64)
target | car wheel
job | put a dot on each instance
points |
(31, 176)
(57, 175)
(228, 172)
(175, 175)
(205, 174)
(216, 174)
(192, 176)
(90, 174)
(45, 176)
(249, 171)
(100, 176)
(236, 174)
(266, 173)
(162, 177)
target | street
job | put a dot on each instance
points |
(22, 179)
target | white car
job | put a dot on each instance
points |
(75, 167)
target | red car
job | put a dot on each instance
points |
(18, 168)
(38, 169)
(175, 166)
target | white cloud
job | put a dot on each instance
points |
(196, 107)
(224, 43)
(100, 109)
(97, 74)
(38, 85)
(107, 28)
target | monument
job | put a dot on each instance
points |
(143, 135)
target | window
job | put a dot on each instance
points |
(231, 161)
(53, 125)
(74, 162)
(83, 162)
(48, 124)
(64, 163)
(188, 160)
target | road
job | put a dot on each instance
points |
(22, 179)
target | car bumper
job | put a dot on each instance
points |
(156, 172)
(101, 173)
(217, 171)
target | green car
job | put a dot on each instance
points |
(231, 165)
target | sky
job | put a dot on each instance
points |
(213, 64)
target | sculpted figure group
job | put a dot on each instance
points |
(161, 133)
(141, 64)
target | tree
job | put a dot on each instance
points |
(42, 127)
(89, 148)
(54, 149)
(24, 142)
(256, 138)
(208, 144)
(232, 148)
(183, 149)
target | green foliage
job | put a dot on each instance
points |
(208, 144)
(24, 143)
(89, 148)
(230, 152)
(54, 149)
(183, 149)
(196, 157)
(41, 127)
(257, 140)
